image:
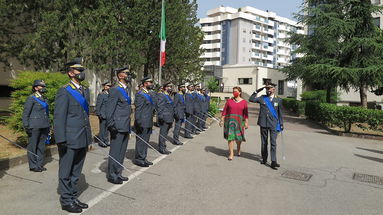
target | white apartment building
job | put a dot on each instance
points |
(247, 36)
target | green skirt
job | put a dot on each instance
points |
(234, 128)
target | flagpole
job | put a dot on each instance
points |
(160, 66)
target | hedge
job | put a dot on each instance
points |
(294, 106)
(344, 116)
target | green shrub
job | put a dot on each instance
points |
(344, 116)
(318, 95)
(213, 108)
(294, 106)
(23, 88)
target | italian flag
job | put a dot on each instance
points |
(163, 36)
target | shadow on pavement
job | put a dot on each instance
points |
(224, 152)
(380, 160)
(370, 150)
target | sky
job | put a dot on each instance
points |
(284, 8)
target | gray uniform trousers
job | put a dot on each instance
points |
(189, 124)
(36, 144)
(164, 130)
(103, 134)
(273, 143)
(177, 129)
(141, 148)
(118, 146)
(70, 166)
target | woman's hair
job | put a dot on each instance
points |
(239, 90)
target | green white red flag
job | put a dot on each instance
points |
(163, 36)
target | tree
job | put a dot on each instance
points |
(362, 48)
(108, 34)
(343, 47)
(320, 48)
(212, 84)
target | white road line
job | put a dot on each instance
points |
(114, 188)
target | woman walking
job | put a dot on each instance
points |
(235, 121)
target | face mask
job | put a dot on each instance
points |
(268, 93)
(43, 90)
(183, 91)
(150, 87)
(80, 77)
(169, 91)
(235, 94)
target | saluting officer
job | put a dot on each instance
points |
(179, 116)
(165, 108)
(118, 112)
(102, 100)
(189, 112)
(36, 124)
(143, 121)
(270, 120)
(72, 134)
(198, 100)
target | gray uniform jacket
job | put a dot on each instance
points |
(34, 115)
(102, 100)
(165, 108)
(71, 122)
(206, 103)
(179, 106)
(189, 101)
(118, 110)
(197, 103)
(265, 118)
(144, 110)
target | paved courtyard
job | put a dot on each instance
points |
(197, 178)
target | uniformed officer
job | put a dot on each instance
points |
(102, 100)
(205, 107)
(189, 112)
(143, 121)
(72, 134)
(118, 112)
(198, 103)
(179, 116)
(270, 120)
(36, 124)
(165, 108)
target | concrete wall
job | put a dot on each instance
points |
(353, 97)
(231, 74)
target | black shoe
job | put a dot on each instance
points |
(197, 132)
(35, 169)
(123, 178)
(177, 142)
(148, 162)
(188, 137)
(72, 208)
(118, 181)
(141, 164)
(165, 152)
(274, 165)
(205, 128)
(80, 204)
(43, 169)
(263, 162)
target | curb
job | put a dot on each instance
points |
(8, 163)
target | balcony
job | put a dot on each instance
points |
(256, 37)
(212, 37)
(211, 28)
(211, 46)
(257, 29)
(211, 54)
(256, 55)
(212, 63)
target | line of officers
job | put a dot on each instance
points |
(72, 131)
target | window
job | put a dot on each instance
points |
(377, 21)
(266, 81)
(281, 86)
(245, 81)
